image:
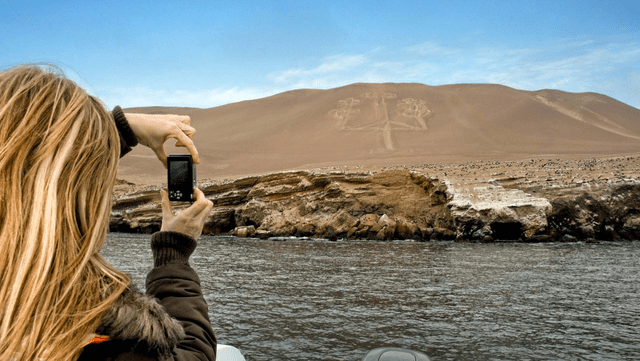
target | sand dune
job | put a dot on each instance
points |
(388, 124)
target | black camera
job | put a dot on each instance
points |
(181, 177)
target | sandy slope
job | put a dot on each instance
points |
(390, 124)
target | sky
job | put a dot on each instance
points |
(209, 53)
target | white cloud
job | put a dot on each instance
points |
(583, 65)
(626, 89)
(574, 73)
(332, 64)
(569, 66)
(144, 96)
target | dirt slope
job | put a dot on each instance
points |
(387, 124)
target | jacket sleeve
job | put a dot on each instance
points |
(128, 139)
(177, 286)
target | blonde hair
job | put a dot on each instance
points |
(59, 151)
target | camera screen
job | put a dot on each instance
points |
(179, 172)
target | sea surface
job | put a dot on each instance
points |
(298, 299)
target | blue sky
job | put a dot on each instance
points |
(209, 53)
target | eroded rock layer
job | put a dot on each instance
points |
(397, 204)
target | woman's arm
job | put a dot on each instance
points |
(175, 284)
(152, 130)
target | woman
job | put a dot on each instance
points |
(60, 300)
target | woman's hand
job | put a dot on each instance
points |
(191, 220)
(153, 130)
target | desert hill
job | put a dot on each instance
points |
(387, 124)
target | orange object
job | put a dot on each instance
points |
(99, 339)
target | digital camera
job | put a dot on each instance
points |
(181, 177)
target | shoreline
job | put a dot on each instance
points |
(539, 200)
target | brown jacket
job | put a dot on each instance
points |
(170, 321)
(175, 327)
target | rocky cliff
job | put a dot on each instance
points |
(420, 203)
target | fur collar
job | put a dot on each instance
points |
(139, 318)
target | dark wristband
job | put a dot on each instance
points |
(171, 247)
(123, 127)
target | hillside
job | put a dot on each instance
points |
(390, 124)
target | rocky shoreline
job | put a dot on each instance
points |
(534, 200)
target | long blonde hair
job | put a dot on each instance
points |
(59, 152)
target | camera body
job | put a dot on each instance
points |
(181, 177)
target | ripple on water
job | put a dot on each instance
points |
(321, 300)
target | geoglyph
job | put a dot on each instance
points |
(355, 114)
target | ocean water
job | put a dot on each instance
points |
(295, 299)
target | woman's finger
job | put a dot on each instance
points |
(184, 119)
(166, 205)
(202, 217)
(188, 143)
(161, 154)
(194, 210)
(200, 197)
(199, 206)
(207, 209)
(186, 129)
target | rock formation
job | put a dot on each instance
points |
(398, 204)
